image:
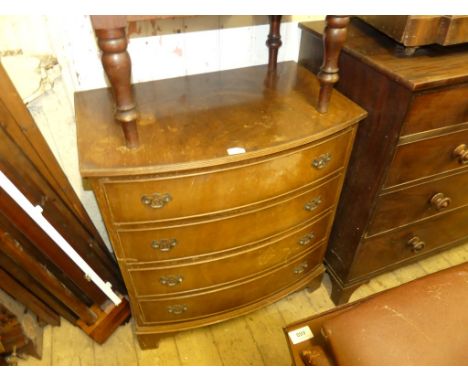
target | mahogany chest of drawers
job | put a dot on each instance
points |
(228, 202)
(406, 191)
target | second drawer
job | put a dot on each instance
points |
(428, 157)
(150, 280)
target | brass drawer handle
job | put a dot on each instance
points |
(177, 309)
(313, 204)
(305, 240)
(156, 200)
(321, 161)
(461, 152)
(171, 281)
(164, 245)
(416, 244)
(439, 201)
(300, 268)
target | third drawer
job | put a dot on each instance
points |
(419, 202)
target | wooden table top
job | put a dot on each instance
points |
(190, 122)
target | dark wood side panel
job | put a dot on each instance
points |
(35, 288)
(27, 136)
(24, 174)
(18, 292)
(373, 148)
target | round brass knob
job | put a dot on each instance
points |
(461, 153)
(416, 244)
(439, 201)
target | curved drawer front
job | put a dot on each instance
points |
(228, 298)
(422, 201)
(168, 243)
(152, 280)
(158, 199)
(412, 241)
(429, 157)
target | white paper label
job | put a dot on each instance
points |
(235, 150)
(300, 335)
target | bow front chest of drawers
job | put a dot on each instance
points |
(227, 203)
(405, 195)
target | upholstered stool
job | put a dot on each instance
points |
(423, 322)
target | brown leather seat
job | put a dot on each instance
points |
(423, 322)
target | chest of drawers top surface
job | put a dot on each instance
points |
(190, 122)
(429, 67)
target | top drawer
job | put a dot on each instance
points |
(176, 197)
(435, 109)
(428, 157)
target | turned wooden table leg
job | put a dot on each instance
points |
(117, 65)
(273, 42)
(333, 39)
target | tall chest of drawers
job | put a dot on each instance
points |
(405, 195)
(227, 204)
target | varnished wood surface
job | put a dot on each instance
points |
(426, 157)
(206, 192)
(447, 65)
(190, 122)
(411, 204)
(254, 339)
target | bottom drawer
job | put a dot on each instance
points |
(418, 239)
(234, 296)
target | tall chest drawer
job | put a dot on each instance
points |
(429, 156)
(412, 241)
(436, 109)
(418, 202)
(183, 196)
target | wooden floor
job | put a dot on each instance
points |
(255, 339)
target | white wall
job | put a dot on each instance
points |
(51, 57)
